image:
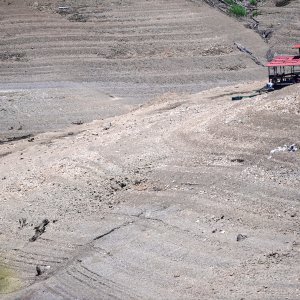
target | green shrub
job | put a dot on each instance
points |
(238, 10)
(253, 2)
(230, 2)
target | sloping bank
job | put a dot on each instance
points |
(181, 198)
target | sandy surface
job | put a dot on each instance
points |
(173, 191)
(39, 107)
(150, 205)
(130, 50)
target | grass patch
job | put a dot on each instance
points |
(253, 2)
(238, 10)
(230, 2)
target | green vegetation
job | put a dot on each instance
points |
(8, 283)
(238, 10)
(230, 2)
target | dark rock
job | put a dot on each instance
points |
(39, 230)
(41, 269)
(22, 222)
(106, 127)
(77, 122)
(239, 160)
(273, 254)
(266, 34)
(38, 270)
(241, 237)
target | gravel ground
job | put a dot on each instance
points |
(200, 207)
(173, 191)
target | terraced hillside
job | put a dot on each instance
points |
(127, 50)
(283, 21)
(154, 46)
